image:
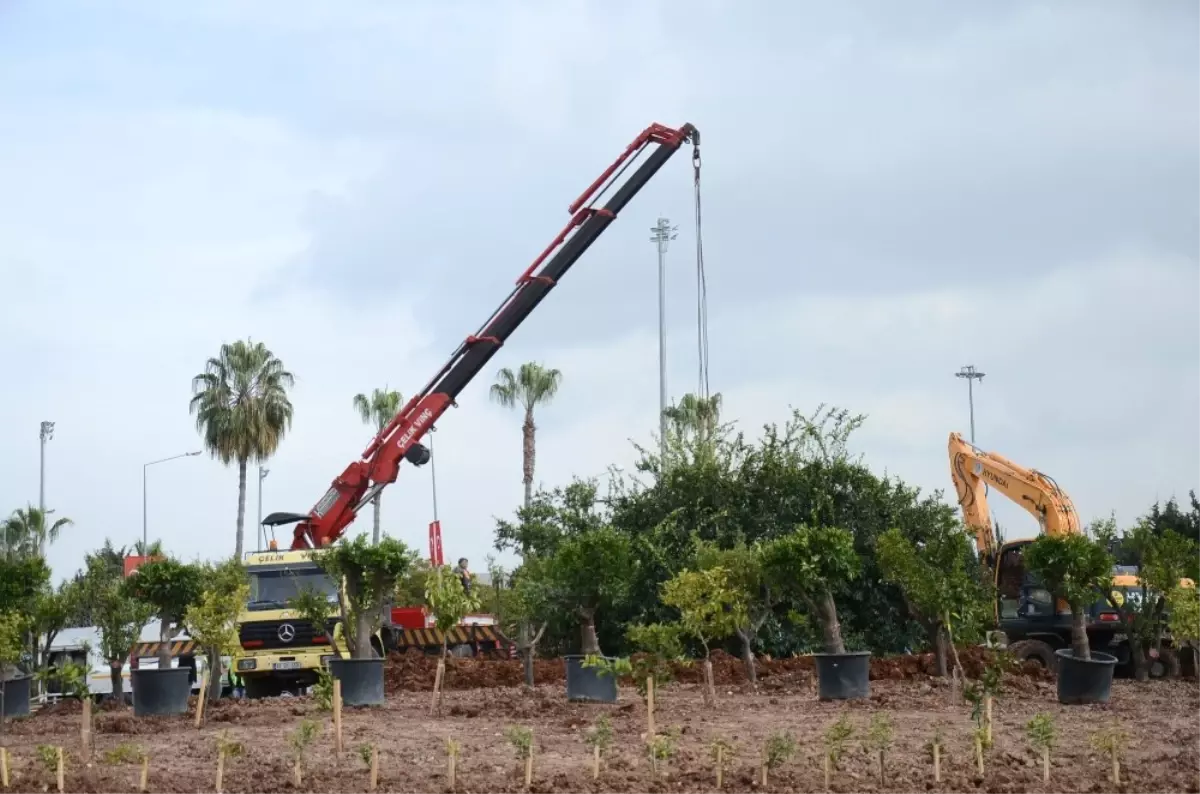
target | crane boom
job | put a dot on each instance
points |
(972, 470)
(400, 439)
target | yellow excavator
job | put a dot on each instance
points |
(1033, 623)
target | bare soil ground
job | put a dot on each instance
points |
(1161, 717)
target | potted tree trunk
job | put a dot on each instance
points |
(167, 587)
(1077, 570)
(367, 574)
(810, 563)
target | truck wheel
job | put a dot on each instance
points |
(1034, 651)
(377, 647)
(262, 688)
(1165, 666)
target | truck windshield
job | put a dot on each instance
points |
(273, 588)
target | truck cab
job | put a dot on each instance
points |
(280, 651)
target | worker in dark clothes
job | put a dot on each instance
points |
(464, 574)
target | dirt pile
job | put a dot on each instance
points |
(414, 671)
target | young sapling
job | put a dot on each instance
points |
(51, 759)
(879, 739)
(300, 740)
(935, 745)
(660, 748)
(453, 752)
(226, 748)
(777, 750)
(1041, 734)
(722, 753)
(599, 737)
(979, 735)
(521, 738)
(1111, 740)
(836, 736)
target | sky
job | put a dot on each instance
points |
(890, 192)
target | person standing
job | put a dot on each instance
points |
(464, 574)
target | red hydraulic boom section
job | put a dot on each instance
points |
(363, 479)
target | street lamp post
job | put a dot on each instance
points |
(971, 374)
(145, 466)
(45, 433)
(262, 535)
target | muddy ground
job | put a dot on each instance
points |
(1164, 753)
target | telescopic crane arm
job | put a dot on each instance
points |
(972, 470)
(400, 440)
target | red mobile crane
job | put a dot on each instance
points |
(400, 440)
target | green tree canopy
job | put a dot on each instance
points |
(1076, 569)
(211, 619)
(28, 531)
(813, 562)
(168, 587)
(368, 574)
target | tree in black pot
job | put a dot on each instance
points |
(367, 576)
(811, 563)
(167, 587)
(1077, 570)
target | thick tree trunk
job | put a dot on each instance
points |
(941, 649)
(590, 645)
(748, 656)
(528, 431)
(375, 530)
(1079, 639)
(362, 636)
(1137, 657)
(118, 683)
(241, 514)
(164, 645)
(214, 673)
(831, 629)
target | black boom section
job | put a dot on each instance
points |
(531, 293)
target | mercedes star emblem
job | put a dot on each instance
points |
(287, 632)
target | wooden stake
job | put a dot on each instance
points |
(529, 764)
(827, 765)
(596, 762)
(764, 774)
(85, 731)
(4, 766)
(720, 765)
(203, 696)
(296, 773)
(650, 707)
(451, 762)
(436, 706)
(1116, 767)
(710, 691)
(60, 770)
(979, 754)
(937, 764)
(375, 769)
(337, 715)
(144, 778)
(220, 769)
(987, 724)
(882, 770)
(1045, 764)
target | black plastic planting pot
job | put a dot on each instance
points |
(587, 685)
(16, 696)
(843, 676)
(362, 680)
(1084, 680)
(159, 692)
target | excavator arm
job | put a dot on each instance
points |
(400, 440)
(973, 470)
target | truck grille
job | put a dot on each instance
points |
(267, 632)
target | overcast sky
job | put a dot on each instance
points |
(891, 191)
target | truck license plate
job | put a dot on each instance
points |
(286, 665)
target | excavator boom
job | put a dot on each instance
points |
(973, 470)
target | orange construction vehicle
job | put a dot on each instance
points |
(1033, 624)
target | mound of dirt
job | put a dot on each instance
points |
(415, 672)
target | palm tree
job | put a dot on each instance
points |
(153, 549)
(696, 416)
(532, 385)
(26, 534)
(377, 410)
(242, 410)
